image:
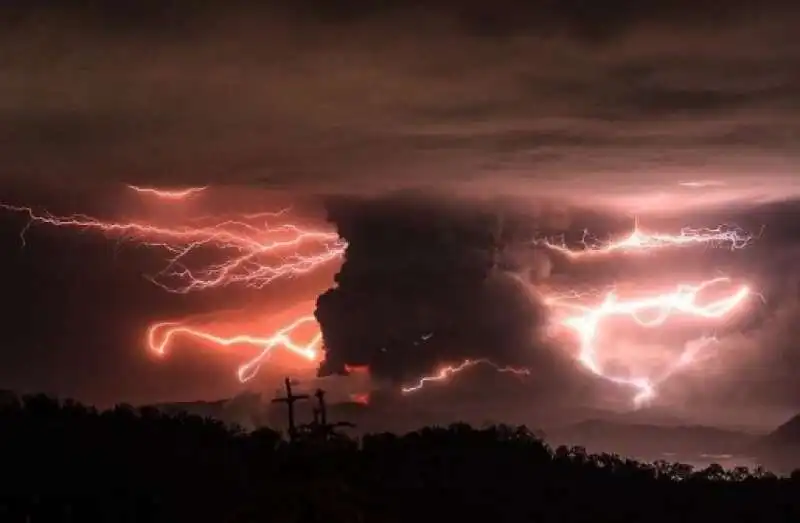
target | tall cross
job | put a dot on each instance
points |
(323, 410)
(290, 400)
(326, 429)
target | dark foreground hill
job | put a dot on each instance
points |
(67, 462)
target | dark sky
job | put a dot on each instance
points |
(374, 94)
(681, 108)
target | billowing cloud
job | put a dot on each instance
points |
(420, 288)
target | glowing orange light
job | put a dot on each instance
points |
(161, 335)
(250, 247)
(166, 194)
(361, 398)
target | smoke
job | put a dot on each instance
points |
(425, 284)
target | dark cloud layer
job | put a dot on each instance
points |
(507, 97)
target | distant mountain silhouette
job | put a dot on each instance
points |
(787, 434)
(653, 442)
(390, 413)
(648, 434)
(647, 416)
(780, 449)
(145, 465)
(246, 409)
(251, 410)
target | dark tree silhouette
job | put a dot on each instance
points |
(63, 461)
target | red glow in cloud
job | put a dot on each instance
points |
(651, 311)
(255, 252)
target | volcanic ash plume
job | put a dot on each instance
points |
(419, 289)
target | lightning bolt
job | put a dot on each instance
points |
(683, 301)
(256, 253)
(446, 372)
(641, 241)
(161, 335)
(586, 320)
(250, 248)
(166, 194)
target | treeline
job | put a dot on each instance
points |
(63, 461)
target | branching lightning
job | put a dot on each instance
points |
(638, 240)
(255, 253)
(446, 372)
(161, 335)
(586, 321)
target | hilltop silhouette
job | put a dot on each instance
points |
(781, 448)
(245, 410)
(63, 461)
(786, 434)
(647, 434)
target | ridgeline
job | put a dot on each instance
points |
(63, 461)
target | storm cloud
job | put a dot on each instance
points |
(680, 108)
(427, 283)
(419, 288)
(509, 97)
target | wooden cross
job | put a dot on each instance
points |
(322, 411)
(290, 400)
